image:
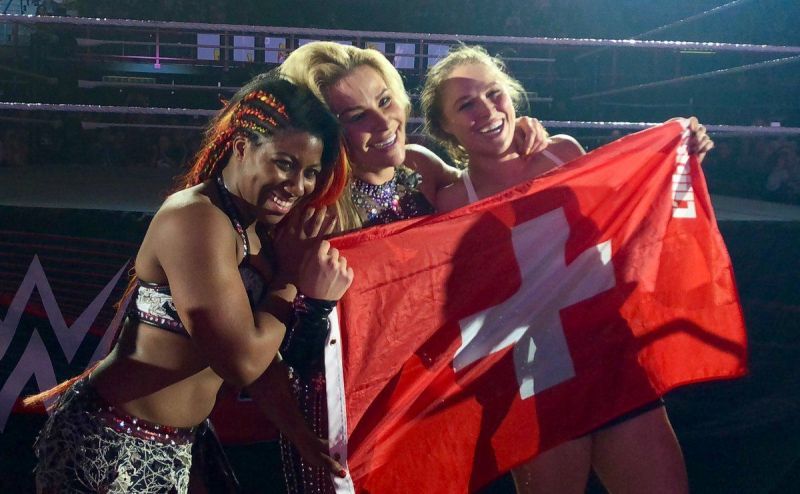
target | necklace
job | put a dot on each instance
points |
(397, 199)
(230, 208)
(376, 201)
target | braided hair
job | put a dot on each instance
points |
(263, 107)
(266, 105)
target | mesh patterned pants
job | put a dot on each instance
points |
(88, 446)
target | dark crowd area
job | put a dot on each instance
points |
(756, 166)
(571, 18)
(65, 141)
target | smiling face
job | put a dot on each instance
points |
(374, 120)
(276, 172)
(477, 110)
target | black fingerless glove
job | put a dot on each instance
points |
(303, 347)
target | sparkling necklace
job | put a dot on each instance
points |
(376, 200)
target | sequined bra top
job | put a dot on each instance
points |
(397, 199)
(153, 302)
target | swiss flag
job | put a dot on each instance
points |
(473, 340)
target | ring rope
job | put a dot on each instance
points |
(561, 124)
(390, 35)
(681, 22)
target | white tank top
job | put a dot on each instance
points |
(472, 195)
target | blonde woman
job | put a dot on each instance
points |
(390, 181)
(469, 103)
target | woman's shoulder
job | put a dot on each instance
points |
(435, 173)
(451, 197)
(419, 155)
(189, 212)
(565, 147)
(427, 163)
(186, 224)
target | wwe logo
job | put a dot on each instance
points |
(35, 360)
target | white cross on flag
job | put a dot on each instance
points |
(531, 314)
(472, 341)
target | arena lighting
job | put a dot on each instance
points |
(157, 64)
(146, 67)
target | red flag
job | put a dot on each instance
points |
(473, 340)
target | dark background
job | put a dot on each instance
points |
(741, 436)
(52, 63)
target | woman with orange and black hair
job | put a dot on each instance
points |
(213, 292)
